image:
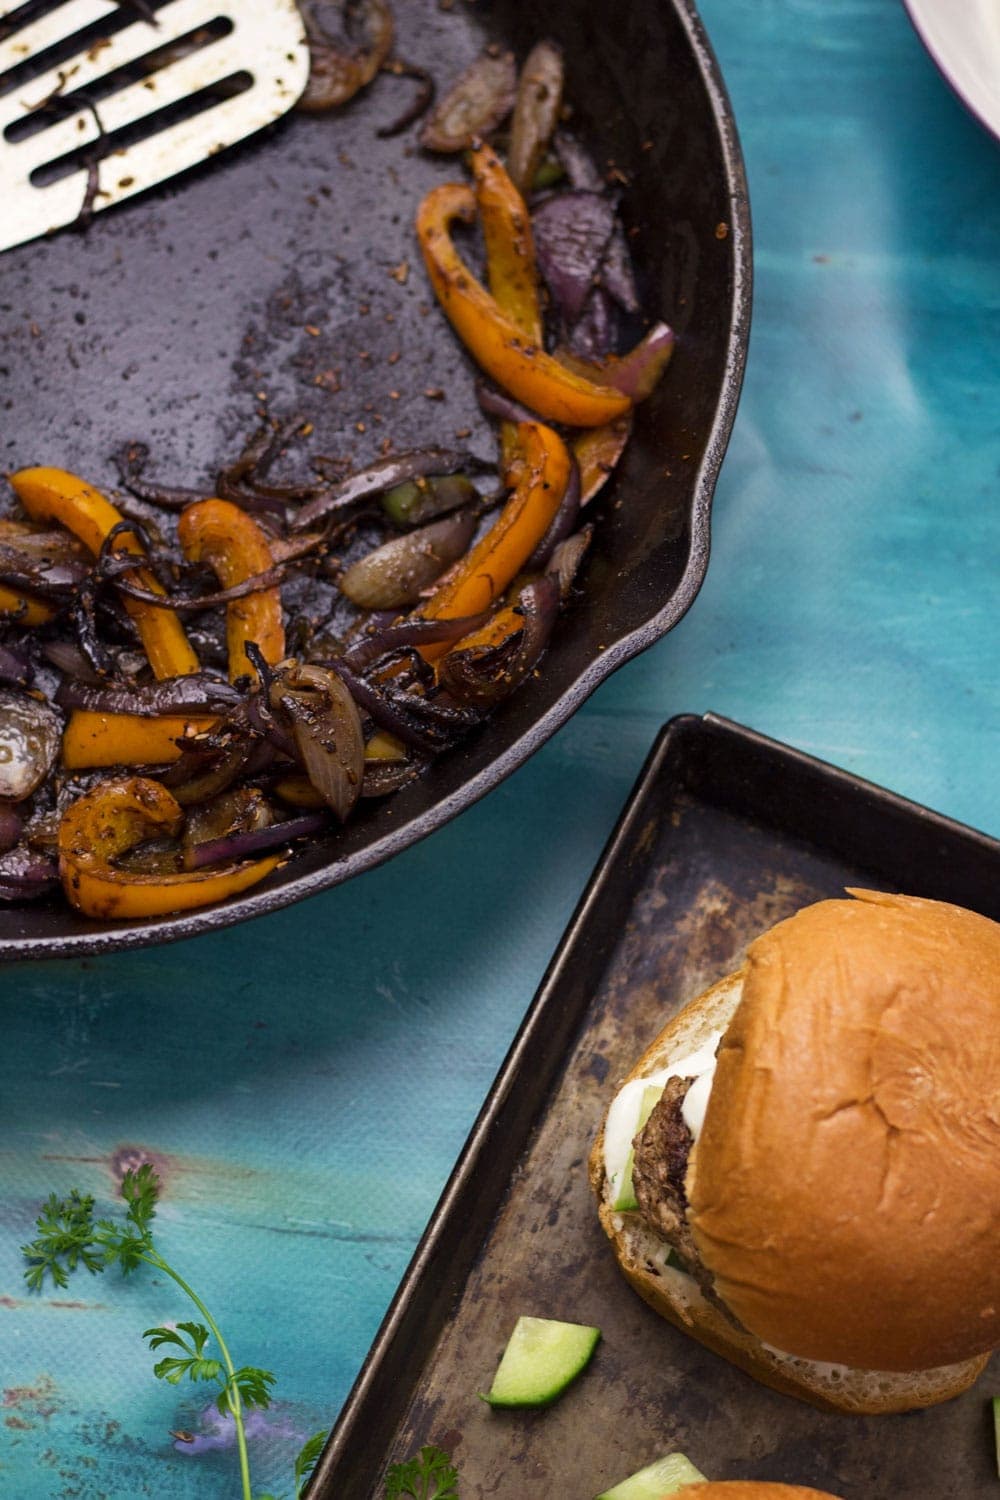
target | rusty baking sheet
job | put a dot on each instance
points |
(725, 833)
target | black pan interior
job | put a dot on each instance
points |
(285, 277)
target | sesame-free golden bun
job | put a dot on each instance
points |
(845, 1189)
(844, 1192)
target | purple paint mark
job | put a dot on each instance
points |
(131, 1158)
(219, 1432)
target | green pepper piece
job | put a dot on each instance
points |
(418, 500)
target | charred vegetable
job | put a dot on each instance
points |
(189, 688)
(29, 744)
(479, 101)
(343, 62)
(398, 572)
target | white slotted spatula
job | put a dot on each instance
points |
(97, 103)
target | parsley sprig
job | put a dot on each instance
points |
(429, 1476)
(69, 1237)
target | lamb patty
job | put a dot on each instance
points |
(660, 1158)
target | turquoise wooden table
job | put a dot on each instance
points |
(306, 1083)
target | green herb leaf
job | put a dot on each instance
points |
(307, 1460)
(66, 1239)
(253, 1386)
(141, 1189)
(197, 1333)
(174, 1370)
(429, 1476)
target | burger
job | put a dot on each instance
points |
(803, 1170)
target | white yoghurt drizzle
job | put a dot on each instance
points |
(623, 1116)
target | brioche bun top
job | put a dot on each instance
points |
(753, 1489)
(845, 1188)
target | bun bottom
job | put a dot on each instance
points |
(642, 1255)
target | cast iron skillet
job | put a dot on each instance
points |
(276, 274)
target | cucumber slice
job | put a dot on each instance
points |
(541, 1358)
(663, 1477)
(626, 1198)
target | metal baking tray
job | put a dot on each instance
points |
(724, 833)
(266, 280)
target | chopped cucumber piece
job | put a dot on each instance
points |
(664, 1477)
(996, 1428)
(626, 1198)
(541, 1358)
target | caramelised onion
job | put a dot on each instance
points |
(380, 476)
(326, 728)
(637, 372)
(43, 549)
(71, 660)
(11, 827)
(130, 461)
(617, 276)
(634, 374)
(148, 700)
(396, 573)
(424, 723)
(382, 712)
(15, 666)
(411, 632)
(536, 110)
(572, 233)
(249, 843)
(484, 675)
(477, 102)
(243, 809)
(499, 404)
(594, 335)
(340, 66)
(597, 453)
(30, 732)
(201, 774)
(49, 577)
(422, 100)
(578, 164)
(26, 875)
(189, 603)
(383, 778)
(562, 522)
(564, 564)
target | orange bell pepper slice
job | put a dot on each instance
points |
(510, 266)
(519, 365)
(27, 610)
(506, 622)
(109, 820)
(93, 739)
(484, 573)
(231, 542)
(510, 245)
(55, 495)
